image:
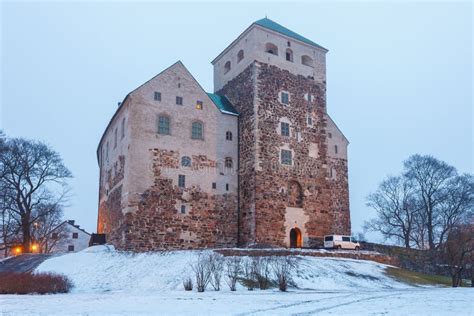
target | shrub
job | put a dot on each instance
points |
(233, 270)
(248, 279)
(30, 283)
(261, 271)
(188, 284)
(202, 272)
(283, 268)
(216, 265)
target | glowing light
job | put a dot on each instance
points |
(34, 247)
(18, 250)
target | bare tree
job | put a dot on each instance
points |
(396, 208)
(216, 265)
(261, 271)
(202, 272)
(47, 231)
(233, 271)
(456, 252)
(283, 268)
(34, 176)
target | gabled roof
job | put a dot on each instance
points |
(272, 25)
(68, 223)
(223, 104)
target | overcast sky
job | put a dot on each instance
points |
(399, 76)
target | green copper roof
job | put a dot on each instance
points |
(269, 24)
(223, 104)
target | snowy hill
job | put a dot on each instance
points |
(102, 269)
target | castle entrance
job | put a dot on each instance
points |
(296, 241)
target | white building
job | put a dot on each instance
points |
(70, 238)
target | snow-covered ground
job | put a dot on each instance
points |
(113, 283)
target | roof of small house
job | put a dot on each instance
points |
(222, 103)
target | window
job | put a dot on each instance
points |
(240, 55)
(115, 138)
(157, 96)
(179, 100)
(183, 209)
(227, 67)
(196, 130)
(284, 98)
(227, 187)
(54, 235)
(307, 61)
(271, 49)
(289, 55)
(328, 238)
(329, 135)
(310, 120)
(199, 105)
(70, 248)
(163, 125)
(346, 238)
(75, 235)
(332, 173)
(286, 157)
(123, 128)
(181, 181)
(107, 151)
(214, 185)
(335, 149)
(285, 129)
(228, 135)
(185, 161)
(228, 162)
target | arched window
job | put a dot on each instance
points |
(289, 55)
(196, 130)
(307, 61)
(228, 162)
(163, 125)
(228, 135)
(186, 161)
(240, 55)
(295, 194)
(271, 49)
(227, 67)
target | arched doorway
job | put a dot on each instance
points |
(296, 241)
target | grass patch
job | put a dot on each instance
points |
(30, 283)
(415, 278)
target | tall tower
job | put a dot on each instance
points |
(293, 179)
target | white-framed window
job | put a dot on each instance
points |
(285, 129)
(286, 157)
(164, 125)
(285, 97)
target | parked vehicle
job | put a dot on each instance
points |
(340, 242)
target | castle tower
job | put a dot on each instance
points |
(293, 179)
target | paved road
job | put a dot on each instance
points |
(23, 263)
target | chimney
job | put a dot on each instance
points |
(71, 222)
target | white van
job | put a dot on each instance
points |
(340, 242)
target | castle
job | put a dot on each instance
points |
(259, 162)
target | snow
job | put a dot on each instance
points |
(108, 282)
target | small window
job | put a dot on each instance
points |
(240, 55)
(228, 135)
(70, 248)
(107, 151)
(310, 120)
(214, 185)
(228, 162)
(196, 130)
(227, 67)
(329, 135)
(199, 105)
(271, 49)
(157, 96)
(54, 235)
(186, 161)
(227, 187)
(289, 55)
(346, 238)
(183, 209)
(285, 98)
(179, 100)
(335, 149)
(163, 125)
(286, 157)
(123, 128)
(115, 138)
(285, 129)
(181, 181)
(75, 235)
(288, 43)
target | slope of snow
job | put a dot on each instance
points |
(102, 269)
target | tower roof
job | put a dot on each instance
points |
(272, 25)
